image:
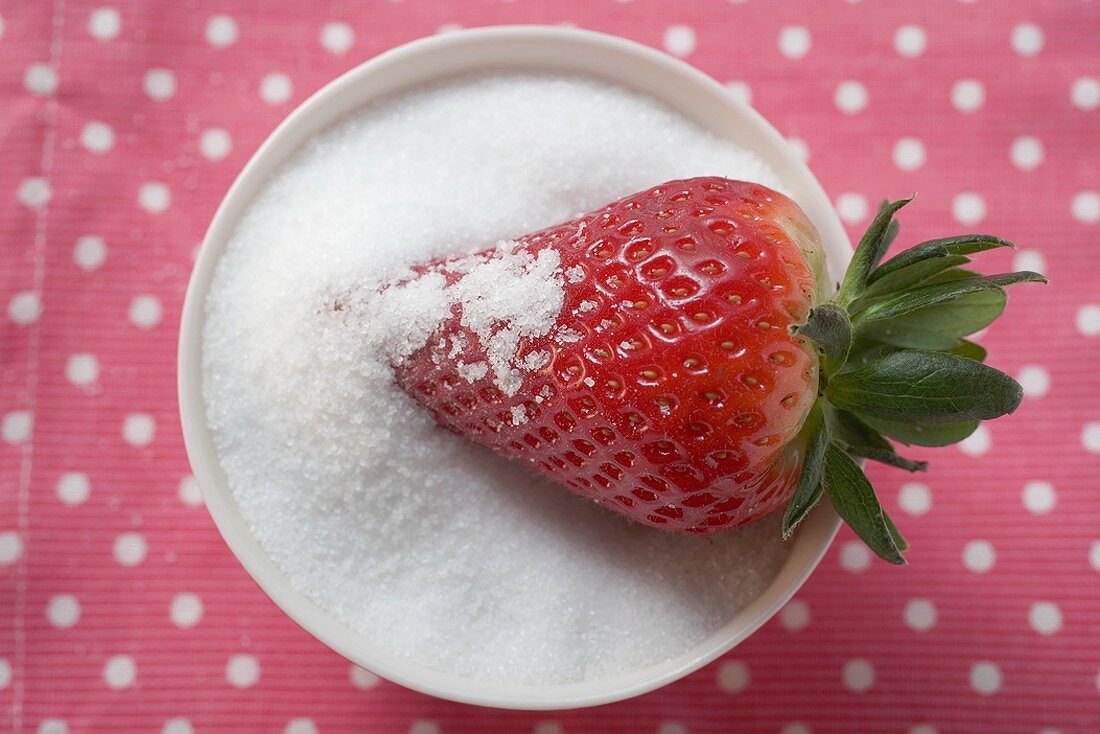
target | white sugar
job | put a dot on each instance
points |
(517, 289)
(414, 538)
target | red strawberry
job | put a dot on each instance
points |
(686, 371)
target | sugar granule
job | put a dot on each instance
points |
(416, 539)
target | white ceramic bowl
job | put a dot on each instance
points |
(684, 88)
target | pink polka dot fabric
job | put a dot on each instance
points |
(123, 123)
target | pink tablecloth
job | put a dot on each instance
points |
(123, 123)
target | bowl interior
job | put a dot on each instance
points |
(533, 48)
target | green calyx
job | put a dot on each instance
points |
(895, 366)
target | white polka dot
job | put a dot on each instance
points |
(177, 726)
(671, 727)
(967, 95)
(1085, 207)
(985, 678)
(1094, 555)
(850, 97)
(189, 491)
(1026, 152)
(1029, 260)
(852, 208)
(978, 556)
(104, 24)
(145, 312)
(1084, 93)
(221, 31)
(424, 727)
(1090, 437)
(1034, 380)
(363, 678)
(548, 727)
(855, 557)
(90, 252)
(741, 91)
(679, 40)
(35, 192)
(301, 726)
(24, 308)
(1045, 617)
(82, 369)
(1027, 39)
(40, 79)
(276, 89)
(794, 41)
(977, 443)
(796, 727)
(52, 726)
(915, 498)
(130, 549)
(11, 547)
(159, 84)
(800, 148)
(98, 137)
(909, 154)
(859, 676)
(242, 671)
(73, 488)
(120, 672)
(16, 426)
(1049, 731)
(920, 614)
(139, 429)
(1039, 497)
(154, 197)
(215, 144)
(63, 611)
(923, 729)
(910, 41)
(186, 610)
(733, 676)
(1088, 320)
(337, 38)
(448, 28)
(795, 615)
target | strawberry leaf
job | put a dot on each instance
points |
(899, 541)
(951, 275)
(846, 428)
(866, 350)
(966, 244)
(861, 440)
(828, 325)
(970, 350)
(886, 456)
(856, 503)
(872, 246)
(815, 437)
(917, 434)
(941, 326)
(925, 387)
(930, 295)
(918, 273)
(891, 230)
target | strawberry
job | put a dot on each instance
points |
(684, 362)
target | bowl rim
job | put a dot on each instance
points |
(820, 527)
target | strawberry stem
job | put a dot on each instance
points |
(828, 325)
